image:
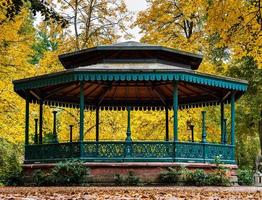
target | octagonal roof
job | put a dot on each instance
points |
(130, 52)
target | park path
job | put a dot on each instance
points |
(130, 193)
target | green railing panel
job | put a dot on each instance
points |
(224, 150)
(52, 151)
(140, 151)
(104, 149)
(188, 150)
(153, 149)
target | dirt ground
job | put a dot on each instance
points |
(128, 193)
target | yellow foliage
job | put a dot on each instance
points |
(16, 38)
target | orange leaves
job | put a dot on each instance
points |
(128, 193)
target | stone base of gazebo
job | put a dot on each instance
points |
(148, 172)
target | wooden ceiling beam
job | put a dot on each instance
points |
(35, 95)
(102, 96)
(71, 90)
(224, 97)
(162, 98)
(53, 92)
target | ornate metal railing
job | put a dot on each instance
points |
(137, 151)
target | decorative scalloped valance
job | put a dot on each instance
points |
(72, 76)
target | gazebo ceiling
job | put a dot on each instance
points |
(131, 93)
(130, 74)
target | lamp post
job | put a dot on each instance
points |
(36, 134)
(190, 126)
(55, 139)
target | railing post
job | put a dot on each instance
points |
(36, 134)
(204, 134)
(40, 121)
(54, 127)
(27, 120)
(233, 124)
(81, 127)
(222, 121)
(175, 108)
(128, 146)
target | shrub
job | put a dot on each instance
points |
(170, 176)
(41, 178)
(196, 178)
(119, 179)
(15, 178)
(10, 163)
(64, 173)
(245, 177)
(131, 179)
(69, 172)
(218, 178)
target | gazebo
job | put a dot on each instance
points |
(130, 76)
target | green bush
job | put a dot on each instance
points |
(218, 178)
(130, 179)
(170, 176)
(10, 163)
(197, 178)
(200, 178)
(65, 173)
(245, 177)
(68, 173)
(119, 179)
(42, 178)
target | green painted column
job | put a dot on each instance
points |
(82, 105)
(128, 131)
(175, 108)
(97, 123)
(41, 121)
(167, 127)
(27, 120)
(36, 130)
(233, 119)
(204, 134)
(128, 145)
(222, 116)
(82, 114)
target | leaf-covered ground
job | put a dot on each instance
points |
(96, 193)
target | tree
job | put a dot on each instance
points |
(228, 34)
(14, 7)
(95, 21)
